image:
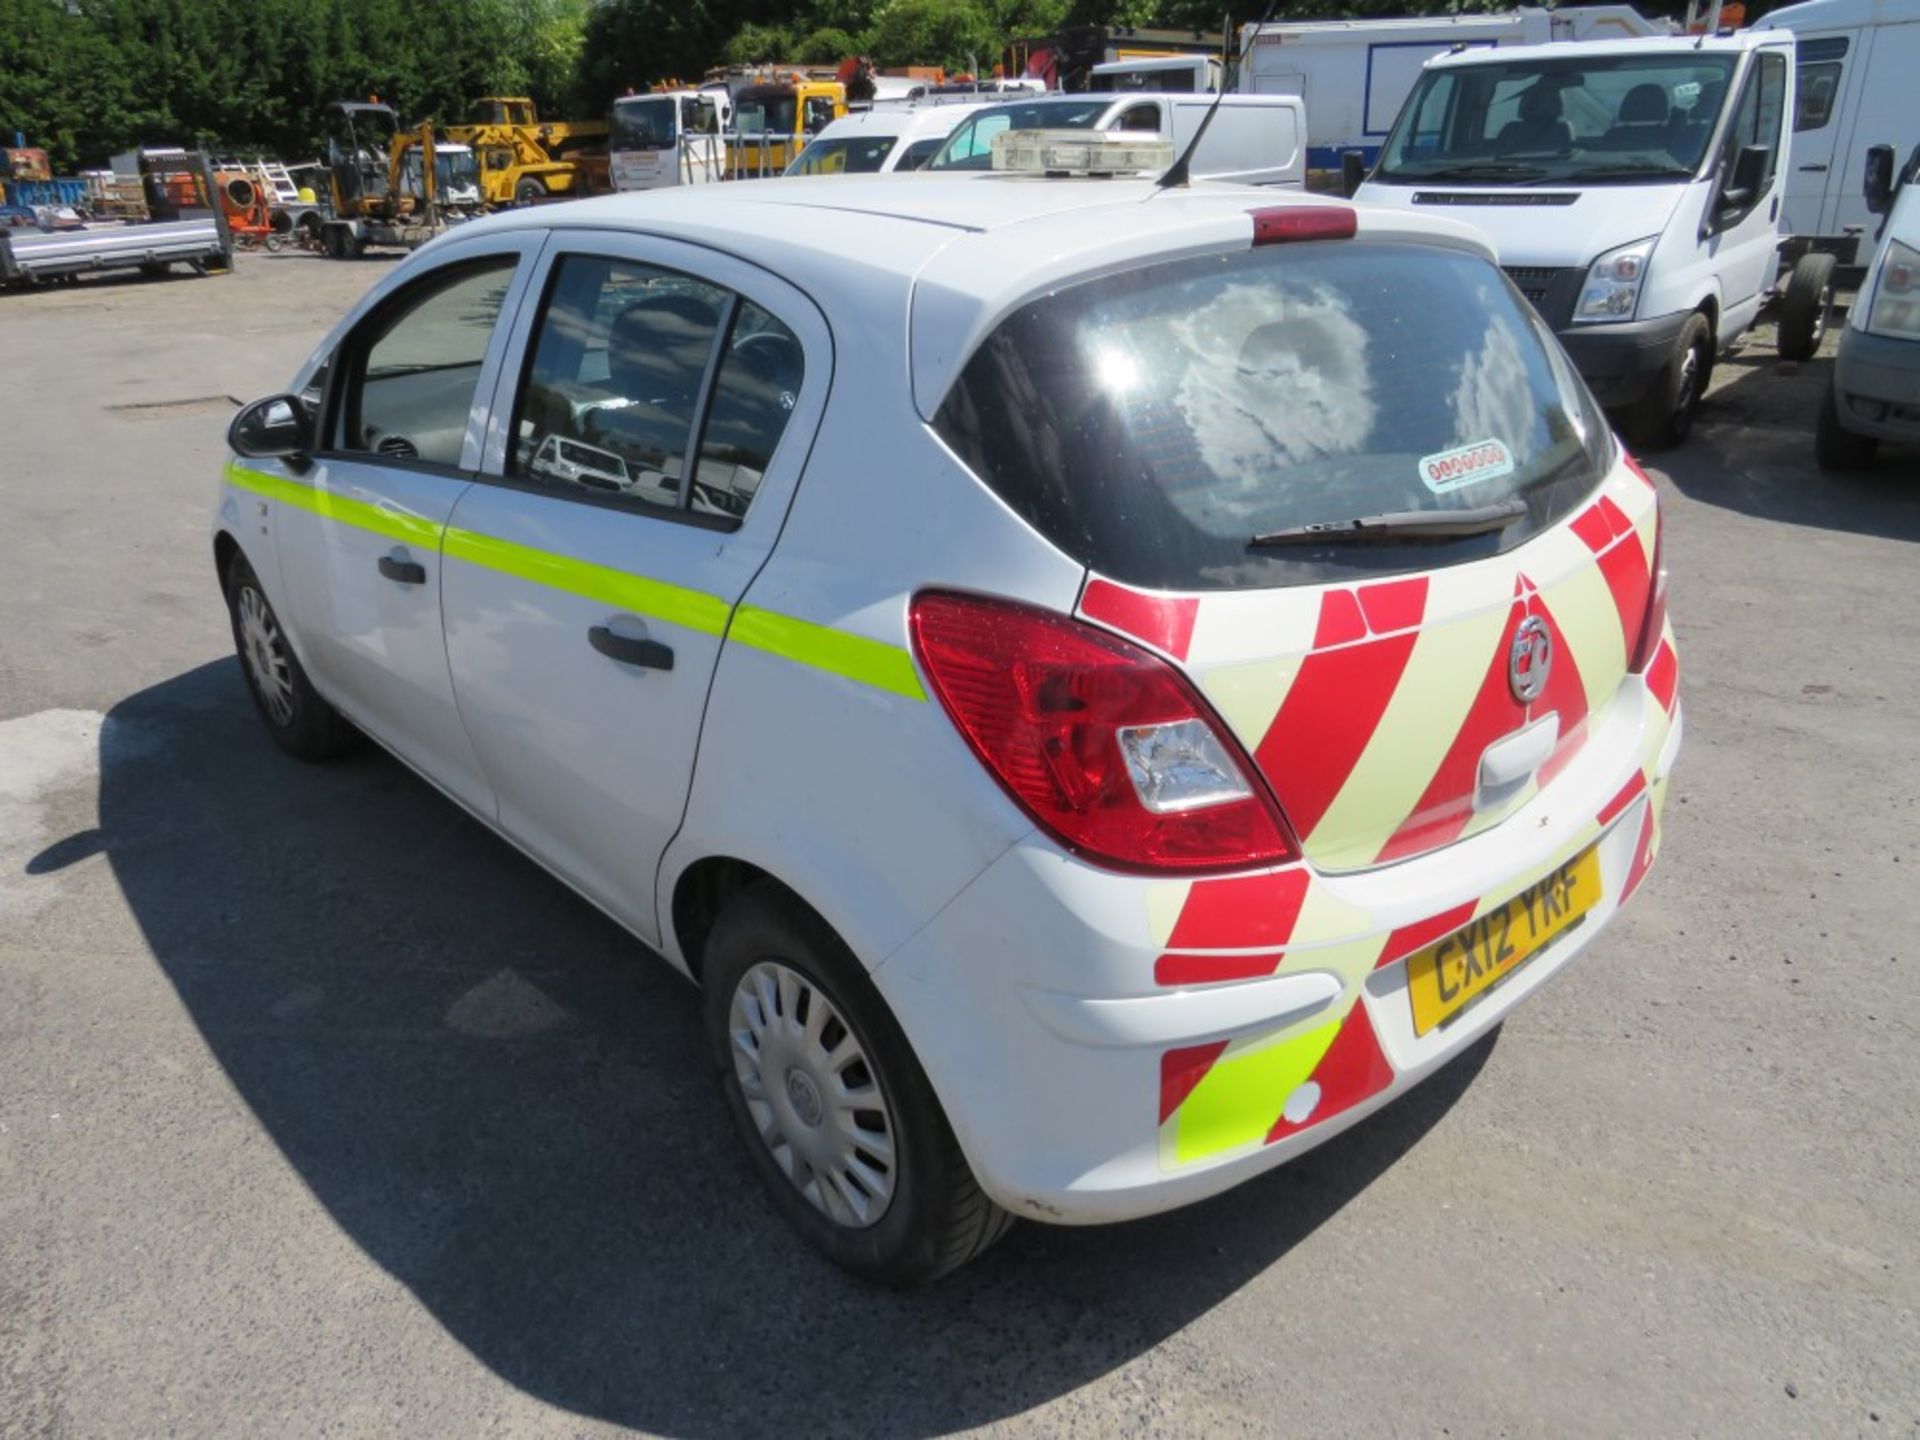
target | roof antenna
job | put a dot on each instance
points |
(1177, 173)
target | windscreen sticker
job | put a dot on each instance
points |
(1468, 465)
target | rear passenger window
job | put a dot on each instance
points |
(753, 397)
(634, 367)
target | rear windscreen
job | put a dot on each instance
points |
(1153, 423)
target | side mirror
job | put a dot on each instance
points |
(1879, 185)
(1749, 171)
(1353, 172)
(276, 428)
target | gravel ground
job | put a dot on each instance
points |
(323, 1112)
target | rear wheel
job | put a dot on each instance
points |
(301, 723)
(1835, 446)
(1805, 307)
(839, 1118)
(530, 191)
(1663, 417)
(337, 243)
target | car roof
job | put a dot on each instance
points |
(910, 120)
(961, 249)
(1734, 44)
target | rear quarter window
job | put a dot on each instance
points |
(1153, 422)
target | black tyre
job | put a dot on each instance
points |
(1805, 307)
(834, 1109)
(530, 191)
(1663, 417)
(338, 243)
(301, 723)
(1835, 446)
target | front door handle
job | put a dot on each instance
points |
(629, 650)
(1813, 169)
(407, 572)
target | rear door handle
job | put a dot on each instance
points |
(407, 572)
(631, 650)
(1813, 169)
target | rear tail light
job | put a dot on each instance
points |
(1653, 623)
(1104, 745)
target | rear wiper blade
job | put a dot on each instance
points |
(1400, 525)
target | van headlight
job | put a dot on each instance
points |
(1896, 298)
(1612, 291)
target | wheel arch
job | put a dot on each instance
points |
(704, 889)
(225, 548)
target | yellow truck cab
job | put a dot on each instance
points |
(774, 119)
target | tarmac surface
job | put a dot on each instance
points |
(322, 1111)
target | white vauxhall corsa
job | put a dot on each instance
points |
(1103, 687)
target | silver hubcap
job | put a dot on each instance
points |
(266, 656)
(1689, 381)
(814, 1097)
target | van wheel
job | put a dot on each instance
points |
(301, 723)
(1663, 417)
(1834, 446)
(1805, 307)
(839, 1118)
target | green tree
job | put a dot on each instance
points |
(952, 33)
(825, 46)
(758, 44)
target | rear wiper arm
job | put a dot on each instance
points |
(1400, 525)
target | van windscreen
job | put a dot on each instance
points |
(1600, 119)
(1157, 423)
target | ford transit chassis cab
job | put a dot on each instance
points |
(1633, 190)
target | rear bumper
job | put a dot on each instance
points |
(1877, 386)
(1089, 1081)
(1619, 361)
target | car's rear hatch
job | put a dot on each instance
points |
(1400, 687)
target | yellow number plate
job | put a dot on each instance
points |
(1444, 979)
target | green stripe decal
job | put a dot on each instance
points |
(871, 662)
(394, 524)
(655, 599)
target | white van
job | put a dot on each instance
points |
(881, 140)
(1858, 67)
(1633, 191)
(674, 137)
(1253, 140)
(1874, 394)
(1164, 74)
(1354, 75)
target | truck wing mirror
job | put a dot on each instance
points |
(1353, 171)
(1879, 182)
(1749, 170)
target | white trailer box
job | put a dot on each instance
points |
(1354, 75)
(1859, 63)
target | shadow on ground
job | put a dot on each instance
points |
(505, 1102)
(1752, 452)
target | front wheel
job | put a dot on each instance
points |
(838, 1117)
(301, 723)
(1805, 307)
(530, 191)
(1663, 417)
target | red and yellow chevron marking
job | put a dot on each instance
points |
(1223, 1096)
(1368, 707)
